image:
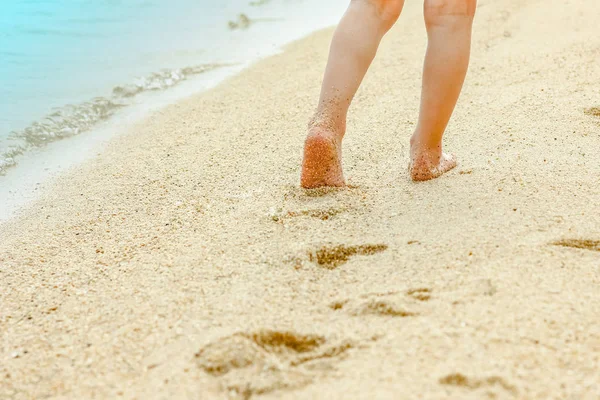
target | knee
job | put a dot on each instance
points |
(444, 12)
(388, 11)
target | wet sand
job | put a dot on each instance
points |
(185, 262)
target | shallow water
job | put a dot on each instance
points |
(66, 65)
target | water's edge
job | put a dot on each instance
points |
(72, 120)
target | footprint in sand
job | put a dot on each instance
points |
(592, 112)
(349, 193)
(249, 364)
(322, 214)
(583, 244)
(492, 386)
(324, 191)
(414, 302)
(322, 204)
(390, 304)
(331, 257)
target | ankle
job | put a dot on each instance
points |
(322, 125)
(424, 143)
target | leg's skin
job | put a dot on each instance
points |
(449, 25)
(354, 45)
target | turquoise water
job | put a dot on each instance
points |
(66, 65)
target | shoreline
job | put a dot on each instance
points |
(23, 183)
(184, 261)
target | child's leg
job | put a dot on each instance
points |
(353, 48)
(449, 24)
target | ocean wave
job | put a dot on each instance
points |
(161, 80)
(72, 120)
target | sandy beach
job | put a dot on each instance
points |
(184, 261)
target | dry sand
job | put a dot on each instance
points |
(184, 261)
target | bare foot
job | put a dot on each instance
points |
(322, 165)
(426, 165)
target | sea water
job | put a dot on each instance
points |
(68, 65)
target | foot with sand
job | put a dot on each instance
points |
(355, 43)
(322, 164)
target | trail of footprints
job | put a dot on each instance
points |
(249, 364)
(256, 363)
(252, 364)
